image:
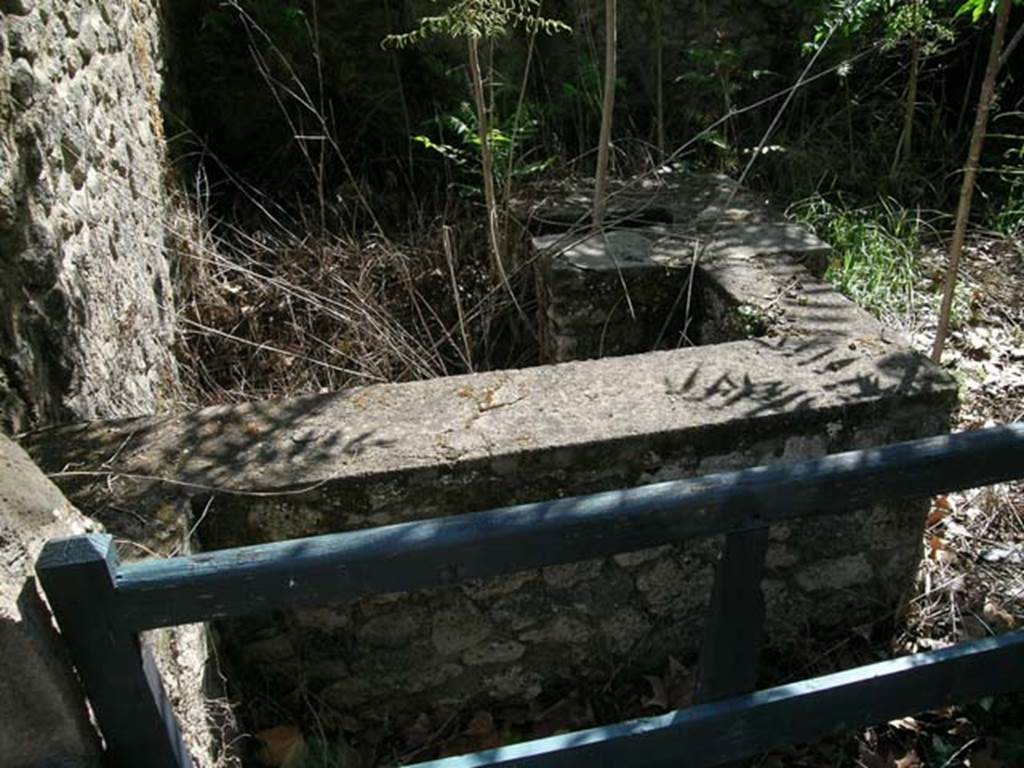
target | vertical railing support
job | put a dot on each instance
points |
(734, 635)
(122, 684)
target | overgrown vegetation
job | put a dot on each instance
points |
(878, 250)
(350, 156)
(476, 22)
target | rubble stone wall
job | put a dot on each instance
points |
(85, 299)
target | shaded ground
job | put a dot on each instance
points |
(971, 581)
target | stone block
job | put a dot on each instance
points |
(628, 291)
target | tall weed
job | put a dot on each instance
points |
(877, 249)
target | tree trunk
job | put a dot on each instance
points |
(486, 159)
(1010, 46)
(400, 83)
(659, 75)
(604, 143)
(956, 247)
(906, 145)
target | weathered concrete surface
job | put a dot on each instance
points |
(391, 453)
(628, 290)
(547, 417)
(42, 712)
(85, 299)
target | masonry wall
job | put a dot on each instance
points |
(395, 665)
(85, 299)
(817, 375)
(628, 291)
(397, 661)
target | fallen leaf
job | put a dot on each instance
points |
(955, 529)
(945, 557)
(996, 614)
(554, 719)
(906, 724)
(463, 744)
(936, 516)
(909, 760)
(932, 643)
(283, 747)
(1009, 554)
(479, 734)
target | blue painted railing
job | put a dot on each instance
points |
(101, 604)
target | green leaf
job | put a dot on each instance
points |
(479, 19)
(445, 150)
(715, 139)
(976, 8)
(531, 169)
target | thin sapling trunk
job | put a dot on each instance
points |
(956, 247)
(486, 158)
(906, 145)
(659, 74)
(604, 143)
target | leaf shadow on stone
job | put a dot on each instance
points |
(893, 374)
(131, 470)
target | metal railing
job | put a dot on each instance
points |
(102, 605)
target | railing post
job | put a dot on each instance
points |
(122, 684)
(734, 635)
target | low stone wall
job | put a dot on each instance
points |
(392, 453)
(802, 373)
(85, 300)
(628, 290)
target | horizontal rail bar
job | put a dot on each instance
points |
(712, 734)
(339, 567)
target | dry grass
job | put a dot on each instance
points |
(266, 313)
